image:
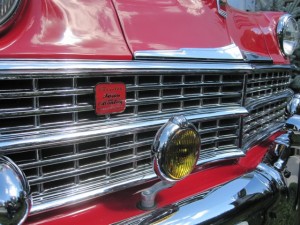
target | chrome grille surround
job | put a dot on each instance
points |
(69, 154)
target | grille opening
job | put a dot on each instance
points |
(149, 80)
(56, 118)
(206, 90)
(86, 99)
(130, 95)
(227, 133)
(172, 79)
(194, 103)
(172, 92)
(230, 100)
(23, 157)
(208, 124)
(190, 91)
(121, 154)
(229, 89)
(232, 78)
(148, 108)
(208, 135)
(97, 175)
(55, 83)
(146, 135)
(144, 162)
(90, 81)
(18, 122)
(89, 116)
(98, 159)
(148, 94)
(121, 140)
(170, 105)
(128, 80)
(228, 122)
(92, 145)
(193, 79)
(66, 166)
(57, 152)
(227, 143)
(205, 147)
(143, 149)
(121, 169)
(18, 103)
(211, 101)
(60, 101)
(15, 85)
(128, 111)
(211, 78)
(58, 184)
(31, 173)
(34, 189)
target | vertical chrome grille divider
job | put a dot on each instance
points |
(243, 103)
(182, 91)
(75, 120)
(136, 95)
(40, 186)
(160, 93)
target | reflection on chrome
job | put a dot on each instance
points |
(293, 106)
(15, 201)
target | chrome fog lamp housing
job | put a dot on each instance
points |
(8, 11)
(287, 34)
(176, 149)
(15, 199)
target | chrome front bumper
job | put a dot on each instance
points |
(264, 196)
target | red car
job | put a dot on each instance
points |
(146, 112)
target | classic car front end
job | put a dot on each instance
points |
(140, 112)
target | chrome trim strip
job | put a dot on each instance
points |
(230, 52)
(251, 105)
(263, 135)
(17, 143)
(240, 199)
(221, 11)
(92, 191)
(82, 91)
(65, 68)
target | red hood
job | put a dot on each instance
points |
(116, 29)
(176, 24)
(171, 24)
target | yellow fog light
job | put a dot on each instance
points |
(176, 148)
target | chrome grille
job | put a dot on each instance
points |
(262, 118)
(106, 161)
(115, 150)
(266, 83)
(57, 102)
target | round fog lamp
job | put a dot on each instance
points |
(176, 149)
(287, 33)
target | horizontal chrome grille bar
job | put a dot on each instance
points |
(11, 143)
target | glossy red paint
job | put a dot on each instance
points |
(172, 24)
(255, 32)
(86, 29)
(121, 205)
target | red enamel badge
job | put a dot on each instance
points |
(110, 98)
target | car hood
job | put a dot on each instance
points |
(171, 24)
